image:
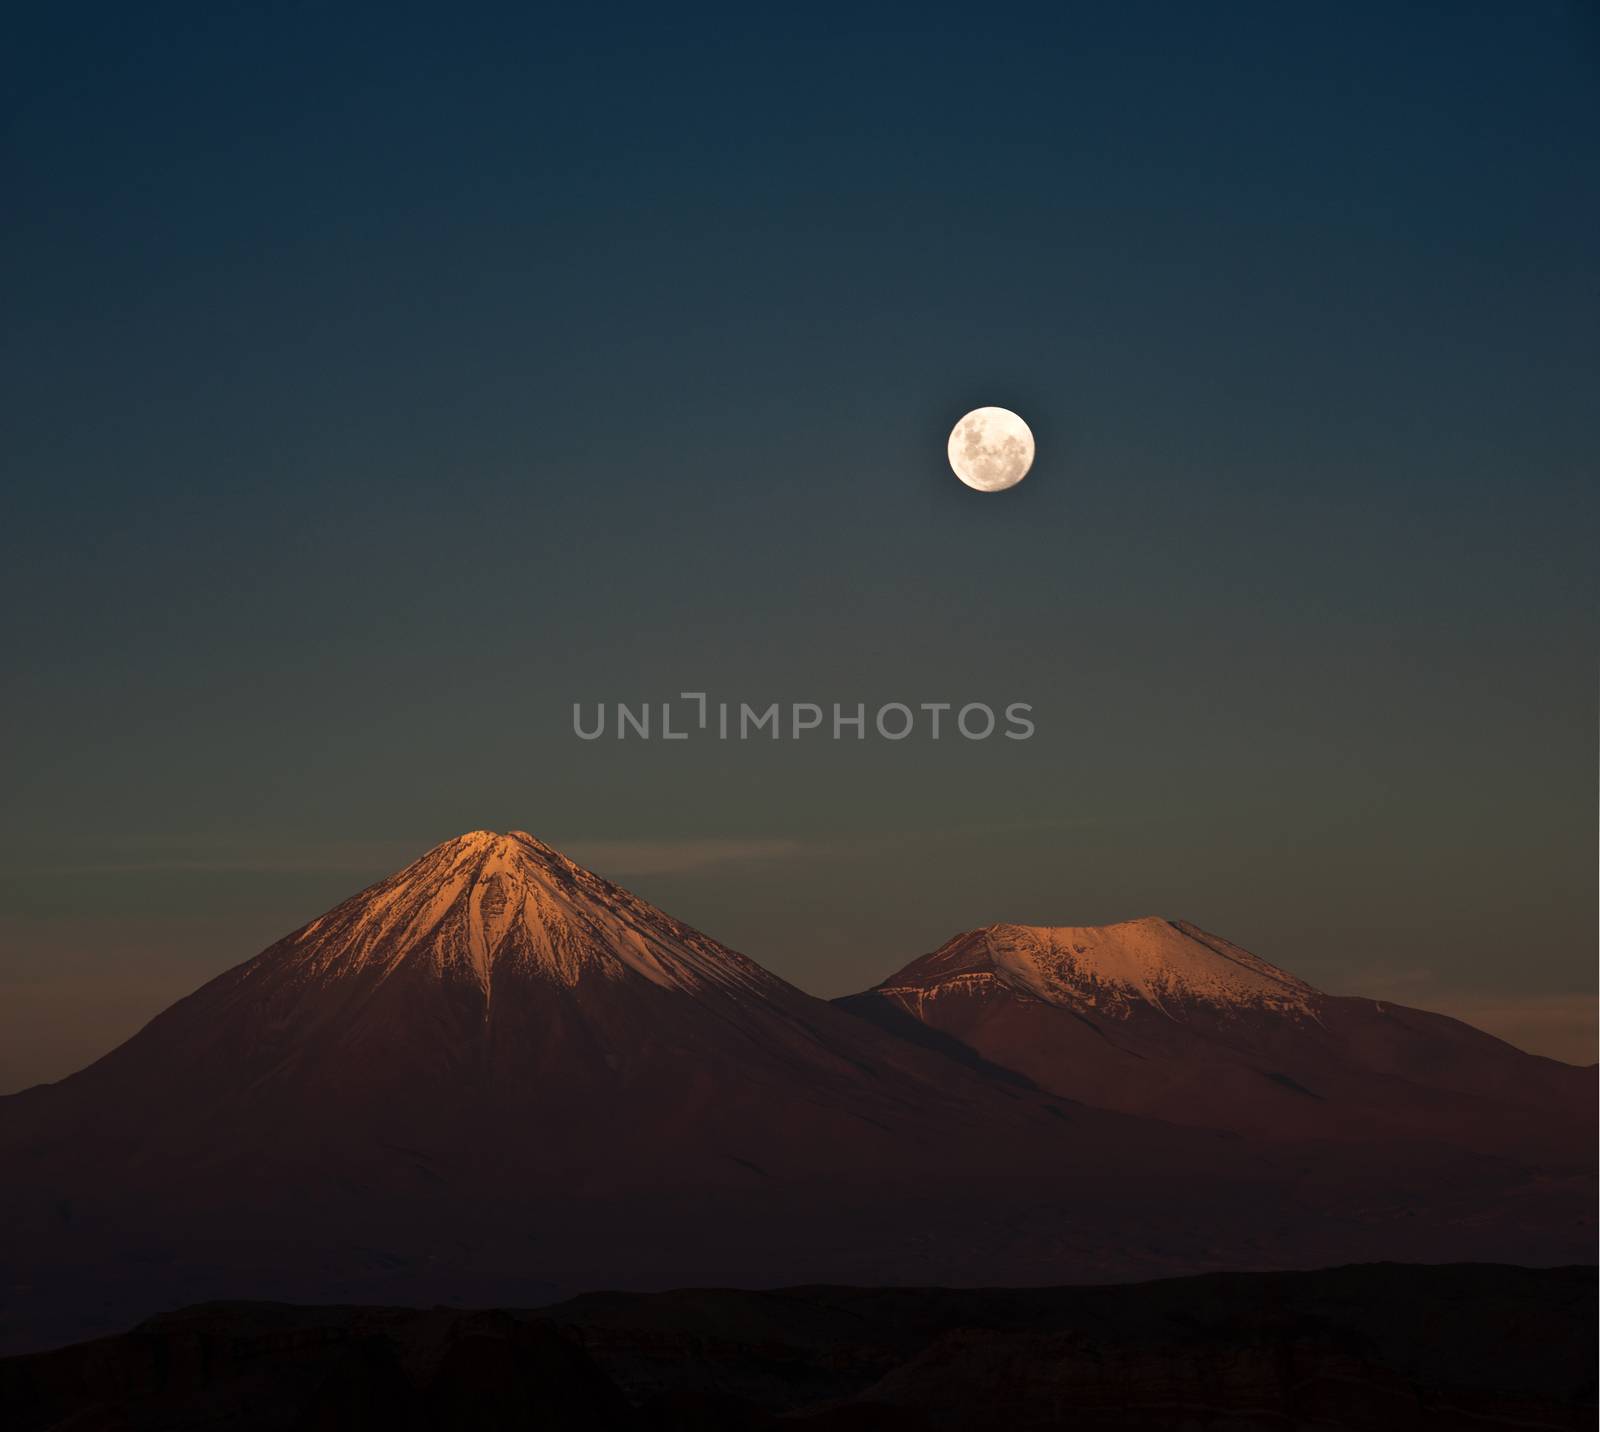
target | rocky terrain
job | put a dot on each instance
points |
(1375, 1347)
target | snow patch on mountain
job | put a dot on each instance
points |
(484, 901)
(1109, 969)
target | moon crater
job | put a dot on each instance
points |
(991, 449)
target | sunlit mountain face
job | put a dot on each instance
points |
(495, 1076)
(1160, 1018)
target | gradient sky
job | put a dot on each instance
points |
(375, 385)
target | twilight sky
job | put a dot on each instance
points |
(375, 386)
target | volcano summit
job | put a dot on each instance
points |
(496, 1077)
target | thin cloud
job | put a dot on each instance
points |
(618, 857)
(679, 857)
(609, 857)
(312, 860)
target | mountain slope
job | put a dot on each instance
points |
(491, 984)
(496, 1077)
(1160, 1018)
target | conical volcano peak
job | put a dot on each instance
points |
(484, 903)
(514, 845)
(1142, 929)
(484, 839)
(1112, 968)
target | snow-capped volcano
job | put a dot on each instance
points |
(496, 1077)
(492, 981)
(484, 906)
(1158, 1017)
(491, 1077)
(1108, 969)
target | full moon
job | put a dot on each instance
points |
(991, 449)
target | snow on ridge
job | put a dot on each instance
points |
(1150, 960)
(484, 901)
(1111, 969)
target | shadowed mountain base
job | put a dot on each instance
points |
(1371, 1347)
(497, 1079)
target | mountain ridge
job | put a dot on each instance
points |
(1149, 958)
(1163, 1019)
(483, 895)
(496, 1076)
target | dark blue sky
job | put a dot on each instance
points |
(376, 384)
